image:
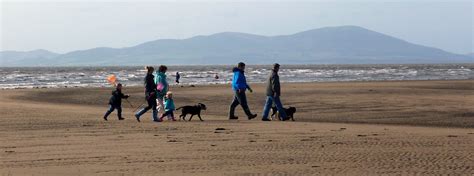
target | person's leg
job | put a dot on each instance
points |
(119, 112)
(267, 107)
(167, 114)
(155, 111)
(243, 102)
(111, 109)
(234, 104)
(160, 105)
(145, 109)
(280, 108)
(172, 116)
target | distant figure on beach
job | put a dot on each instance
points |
(169, 107)
(177, 77)
(150, 95)
(273, 94)
(216, 76)
(161, 87)
(115, 102)
(239, 86)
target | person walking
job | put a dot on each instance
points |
(169, 106)
(162, 87)
(150, 95)
(115, 102)
(178, 76)
(273, 93)
(239, 86)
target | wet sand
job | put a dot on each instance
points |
(351, 128)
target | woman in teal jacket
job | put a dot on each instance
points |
(162, 87)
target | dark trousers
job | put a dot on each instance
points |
(112, 108)
(239, 98)
(151, 100)
(168, 113)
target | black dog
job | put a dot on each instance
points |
(193, 110)
(289, 113)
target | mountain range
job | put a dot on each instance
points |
(329, 45)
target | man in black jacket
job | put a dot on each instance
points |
(115, 102)
(273, 94)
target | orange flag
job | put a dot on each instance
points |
(112, 79)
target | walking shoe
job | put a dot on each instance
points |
(266, 119)
(105, 118)
(120, 118)
(252, 116)
(138, 117)
(159, 120)
(233, 118)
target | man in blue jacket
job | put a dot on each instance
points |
(239, 86)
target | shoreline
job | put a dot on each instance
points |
(56, 131)
(218, 84)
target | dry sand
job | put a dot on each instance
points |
(410, 128)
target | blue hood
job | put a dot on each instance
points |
(239, 81)
(235, 69)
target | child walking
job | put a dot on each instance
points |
(169, 106)
(115, 102)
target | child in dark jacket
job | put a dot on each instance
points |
(115, 102)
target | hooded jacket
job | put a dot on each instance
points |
(169, 104)
(239, 82)
(150, 85)
(160, 78)
(273, 84)
(116, 98)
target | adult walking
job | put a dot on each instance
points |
(239, 86)
(162, 87)
(150, 95)
(273, 94)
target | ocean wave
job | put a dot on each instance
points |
(43, 77)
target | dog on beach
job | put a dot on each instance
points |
(290, 111)
(193, 110)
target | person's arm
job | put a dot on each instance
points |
(124, 96)
(276, 85)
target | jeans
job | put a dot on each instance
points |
(268, 106)
(239, 98)
(112, 108)
(151, 105)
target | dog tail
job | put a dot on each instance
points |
(179, 108)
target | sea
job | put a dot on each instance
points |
(67, 77)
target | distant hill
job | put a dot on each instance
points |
(28, 58)
(330, 45)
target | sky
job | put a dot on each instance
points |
(64, 26)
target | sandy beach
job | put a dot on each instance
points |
(341, 128)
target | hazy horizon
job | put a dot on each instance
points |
(64, 26)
